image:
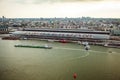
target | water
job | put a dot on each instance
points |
(59, 63)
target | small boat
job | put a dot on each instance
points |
(106, 44)
(34, 46)
(79, 42)
(87, 47)
(49, 40)
(63, 41)
(85, 43)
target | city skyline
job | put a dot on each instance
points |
(60, 8)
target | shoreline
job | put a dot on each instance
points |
(52, 40)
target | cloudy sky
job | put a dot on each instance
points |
(60, 8)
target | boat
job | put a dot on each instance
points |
(79, 42)
(87, 47)
(85, 43)
(10, 38)
(105, 44)
(33, 46)
(49, 40)
(63, 41)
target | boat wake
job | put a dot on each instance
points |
(87, 54)
(78, 49)
(83, 56)
(68, 48)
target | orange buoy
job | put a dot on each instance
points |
(74, 75)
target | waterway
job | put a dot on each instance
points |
(59, 63)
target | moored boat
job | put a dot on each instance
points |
(63, 41)
(10, 38)
(50, 40)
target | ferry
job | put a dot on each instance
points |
(85, 43)
(33, 46)
(87, 47)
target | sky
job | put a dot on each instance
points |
(60, 8)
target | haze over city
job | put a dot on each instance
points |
(59, 8)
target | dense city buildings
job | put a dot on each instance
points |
(101, 24)
(98, 24)
(93, 30)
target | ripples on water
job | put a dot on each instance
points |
(58, 63)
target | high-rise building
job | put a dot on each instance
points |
(3, 26)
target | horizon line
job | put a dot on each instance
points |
(63, 17)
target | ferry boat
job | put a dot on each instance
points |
(87, 47)
(34, 46)
(85, 43)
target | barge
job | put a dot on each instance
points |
(33, 46)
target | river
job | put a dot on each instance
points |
(59, 63)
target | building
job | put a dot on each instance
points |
(64, 34)
(3, 26)
(115, 32)
(3, 29)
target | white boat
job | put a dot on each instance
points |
(49, 40)
(85, 43)
(106, 44)
(79, 42)
(87, 47)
